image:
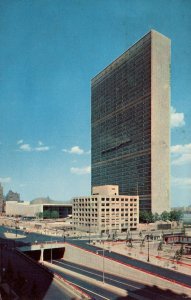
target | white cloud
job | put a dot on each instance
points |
(5, 179)
(28, 148)
(42, 149)
(74, 150)
(183, 159)
(81, 171)
(184, 181)
(180, 149)
(181, 154)
(177, 119)
(20, 142)
(25, 147)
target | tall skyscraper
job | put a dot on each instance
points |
(131, 123)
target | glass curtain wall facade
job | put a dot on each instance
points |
(121, 113)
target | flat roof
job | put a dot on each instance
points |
(51, 204)
(106, 196)
(123, 56)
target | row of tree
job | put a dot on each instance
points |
(149, 217)
(144, 216)
(47, 214)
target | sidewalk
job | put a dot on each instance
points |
(158, 258)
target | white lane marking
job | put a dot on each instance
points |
(143, 298)
(87, 290)
(117, 281)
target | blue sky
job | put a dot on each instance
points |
(49, 51)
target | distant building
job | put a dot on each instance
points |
(186, 217)
(177, 238)
(12, 196)
(25, 209)
(185, 209)
(130, 121)
(106, 211)
(1, 199)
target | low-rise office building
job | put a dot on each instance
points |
(105, 211)
(25, 209)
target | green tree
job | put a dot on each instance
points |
(181, 250)
(39, 215)
(175, 215)
(143, 216)
(156, 217)
(165, 216)
(114, 237)
(54, 214)
(177, 255)
(130, 244)
(143, 242)
(140, 234)
(146, 217)
(160, 247)
(141, 246)
(46, 214)
(128, 235)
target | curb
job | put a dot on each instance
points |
(82, 293)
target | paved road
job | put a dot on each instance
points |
(29, 237)
(166, 273)
(163, 272)
(135, 290)
(96, 292)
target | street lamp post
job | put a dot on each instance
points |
(148, 236)
(148, 248)
(16, 222)
(103, 266)
(103, 256)
(89, 234)
(51, 252)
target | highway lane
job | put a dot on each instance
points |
(96, 292)
(136, 290)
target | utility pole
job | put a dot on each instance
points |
(16, 222)
(89, 234)
(103, 263)
(51, 252)
(148, 248)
